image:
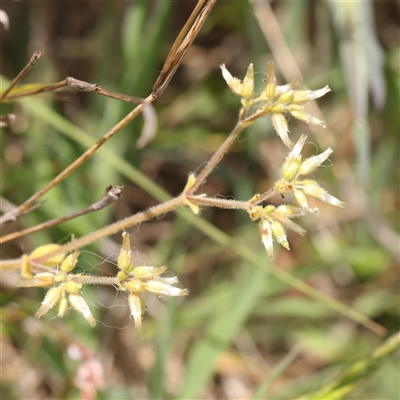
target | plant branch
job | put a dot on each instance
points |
(182, 43)
(135, 219)
(79, 85)
(96, 280)
(110, 196)
(173, 61)
(14, 214)
(262, 197)
(219, 154)
(36, 55)
(219, 203)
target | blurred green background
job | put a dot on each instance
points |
(239, 323)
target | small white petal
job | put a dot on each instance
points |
(291, 225)
(327, 198)
(168, 281)
(266, 238)
(309, 165)
(298, 147)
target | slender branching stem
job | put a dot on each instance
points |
(37, 90)
(135, 219)
(216, 158)
(36, 55)
(219, 203)
(111, 195)
(78, 162)
(184, 40)
(96, 280)
(219, 154)
(175, 56)
(79, 85)
(259, 199)
(8, 265)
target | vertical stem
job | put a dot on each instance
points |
(36, 55)
(216, 158)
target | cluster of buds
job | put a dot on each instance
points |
(275, 100)
(65, 290)
(273, 221)
(294, 167)
(140, 279)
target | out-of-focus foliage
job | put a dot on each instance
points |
(237, 324)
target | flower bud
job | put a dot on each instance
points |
(62, 307)
(312, 189)
(148, 272)
(283, 186)
(333, 200)
(39, 280)
(161, 288)
(268, 212)
(301, 198)
(282, 129)
(72, 287)
(266, 238)
(280, 90)
(136, 306)
(79, 304)
(289, 211)
(297, 148)
(276, 108)
(301, 96)
(290, 168)
(124, 256)
(309, 165)
(305, 116)
(168, 280)
(286, 97)
(69, 262)
(187, 190)
(135, 286)
(46, 249)
(122, 275)
(255, 212)
(279, 232)
(49, 301)
(248, 83)
(292, 226)
(271, 84)
(233, 83)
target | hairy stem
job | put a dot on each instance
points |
(219, 154)
(219, 203)
(135, 219)
(216, 158)
(111, 195)
(96, 280)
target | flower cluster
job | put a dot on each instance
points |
(275, 100)
(141, 279)
(66, 287)
(294, 167)
(273, 220)
(65, 290)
